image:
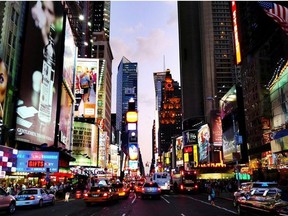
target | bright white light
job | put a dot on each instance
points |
(85, 43)
(81, 17)
(89, 23)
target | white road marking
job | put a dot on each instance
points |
(182, 214)
(165, 199)
(208, 203)
(134, 199)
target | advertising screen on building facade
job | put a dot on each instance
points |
(66, 108)
(133, 151)
(86, 87)
(216, 128)
(279, 101)
(37, 161)
(84, 146)
(203, 142)
(8, 159)
(42, 65)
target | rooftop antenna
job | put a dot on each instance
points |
(164, 63)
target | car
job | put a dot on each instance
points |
(34, 197)
(7, 202)
(262, 201)
(151, 189)
(244, 187)
(138, 188)
(100, 194)
(122, 189)
(247, 186)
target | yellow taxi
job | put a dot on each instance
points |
(100, 194)
(122, 189)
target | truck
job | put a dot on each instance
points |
(163, 180)
(185, 181)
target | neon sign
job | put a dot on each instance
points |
(237, 44)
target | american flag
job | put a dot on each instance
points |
(277, 12)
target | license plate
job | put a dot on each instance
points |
(95, 195)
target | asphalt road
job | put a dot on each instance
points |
(167, 205)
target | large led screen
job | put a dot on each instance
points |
(65, 121)
(84, 146)
(8, 159)
(86, 87)
(203, 142)
(66, 108)
(41, 67)
(133, 151)
(37, 161)
(216, 128)
(279, 100)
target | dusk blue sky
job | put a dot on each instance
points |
(145, 32)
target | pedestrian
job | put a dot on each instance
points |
(67, 190)
(212, 194)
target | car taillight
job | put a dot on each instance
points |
(143, 189)
(159, 189)
(196, 186)
(182, 187)
(105, 195)
(31, 198)
(85, 195)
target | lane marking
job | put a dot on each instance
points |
(182, 214)
(134, 199)
(208, 203)
(165, 199)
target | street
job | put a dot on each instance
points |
(169, 204)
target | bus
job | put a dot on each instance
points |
(185, 181)
(163, 180)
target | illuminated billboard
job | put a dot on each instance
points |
(41, 67)
(86, 87)
(133, 151)
(66, 108)
(37, 161)
(8, 159)
(216, 128)
(235, 29)
(84, 146)
(203, 137)
(65, 120)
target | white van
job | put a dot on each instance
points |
(163, 180)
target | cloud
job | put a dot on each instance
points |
(133, 29)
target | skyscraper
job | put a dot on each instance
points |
(206, 59)
(127, 79)
(168, 113)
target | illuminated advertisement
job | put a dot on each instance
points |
(84, 146)
(37, 161)
(216, 128)
(235, 29)
(86, 87)
(8, 159)
(203, 142)
(179, 149)
(228, 102)
(279, 101)
(190, 137)
(133, 164)
(66, 108)
(65, 118)
(3, 86)
(41, 68)
(69, 56)
(102, 148)
(133, 151)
